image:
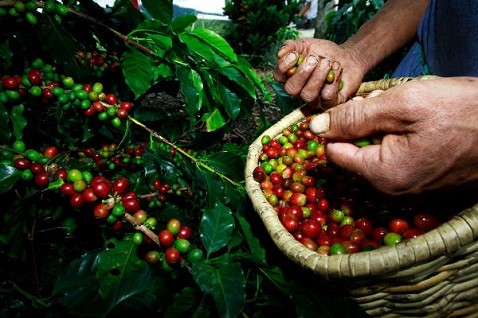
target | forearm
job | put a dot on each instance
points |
(391, 28)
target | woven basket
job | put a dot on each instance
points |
(432, 275)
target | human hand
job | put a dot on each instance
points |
(309, 82)
(430, 132)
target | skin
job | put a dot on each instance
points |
(430, 127)
(351, 60)
(430, 140)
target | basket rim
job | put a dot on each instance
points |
(446, 239)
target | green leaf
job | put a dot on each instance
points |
(230, 101)
(161, 10)
(232, 74)
(162, 42)
(216, 227)
(163, 71)
(192, 89)
(226, 283)
(202, 52)
(18, 120)
(227, 163)
(244, 65)
(138, 71)
(184, 301)
(5, 132)
(155, 165)
(214, 120)
(60, 45)
(182, 22)
(137, 288)
(77, 288)
(253, 242)
(8, 177)
(114, 262)
(5, 55)
(218, 43)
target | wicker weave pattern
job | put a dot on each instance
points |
(433, 275)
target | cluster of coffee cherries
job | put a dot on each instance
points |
(40, 81)
(176, 247)
(112, 158)
(22, 10)
(98, 62)
(324, 207)
(110, 199)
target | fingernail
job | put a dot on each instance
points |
(325, 63)
(312, 60)
(320, 123)
(291, 58)
(336, 65)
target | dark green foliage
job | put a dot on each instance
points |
(258, 26)
(57, 260)
(346, 18)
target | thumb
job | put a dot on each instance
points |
(355, 119)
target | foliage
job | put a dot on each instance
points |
(259, 26)
(344, 20)
(81, 101)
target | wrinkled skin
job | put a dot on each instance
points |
(430, 132)
(309, 82)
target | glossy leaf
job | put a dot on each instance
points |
(181, 23)
(192, 89)
(205, 55)
(230, 101)
(8, 177)
(60, 45)
(218, 43)
(161, 10)
(138, 71)
(114, 262)
(184, 301)
(232, 74)
(226, 283)
(257, 251)
(228, 163)
(5, 133)
(216, 227)
(18, 121)
(76, 287)
(214, 120)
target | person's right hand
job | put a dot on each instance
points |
(309, 81)
(430, 130)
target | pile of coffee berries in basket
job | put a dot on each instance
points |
(328, 209)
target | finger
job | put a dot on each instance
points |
(359, 118)
(311, 90)
(363, 161)
(288, 46)
(386, 165)
(320, 124)
(287, 62)
(295, 84)
(330, 92)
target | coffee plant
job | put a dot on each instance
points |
(259, 27)
(120, 192)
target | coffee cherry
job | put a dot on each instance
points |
(166, 238)
(152, 257)
(172, 255)
(42, 179)
(173, 226)
(101, 211)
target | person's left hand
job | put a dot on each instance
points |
(309, 82)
